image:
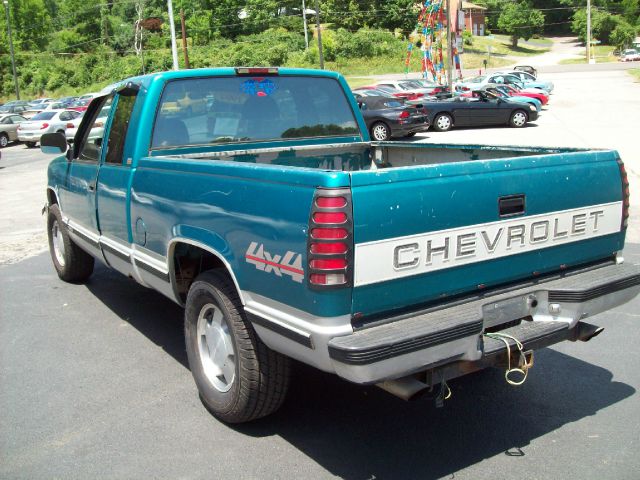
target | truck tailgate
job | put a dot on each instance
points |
(429, 232)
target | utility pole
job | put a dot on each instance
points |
(588, 31)
(306, 30)
(319, 35)
(449, 50)
(184, 40)
(13, 59)
(174, 48)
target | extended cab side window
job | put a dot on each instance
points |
(119, 128)
(91, 146)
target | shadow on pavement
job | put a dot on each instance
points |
(155, 316)
(362, 432)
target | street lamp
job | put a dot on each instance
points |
(13, 60)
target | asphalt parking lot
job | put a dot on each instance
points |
(94, 381)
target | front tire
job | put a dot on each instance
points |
(238, 377)
(518, 119)
(443, 122)
(4, 140)
(72, 264)
(380, 132)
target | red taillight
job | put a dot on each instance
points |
(70, 125)
(328, 264)
(625, 195)
(331, 202)
(328, 279)
(44, 125)
(329, 217)
(330, 239)
(328, 248)
(328, 233)
(404, 114)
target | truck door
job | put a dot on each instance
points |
(112, 186)
(77, 193)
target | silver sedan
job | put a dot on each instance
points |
(44, 122)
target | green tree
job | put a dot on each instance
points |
(519, 20)
(623, 35)
(602, 25)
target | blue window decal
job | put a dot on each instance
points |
(259, 87)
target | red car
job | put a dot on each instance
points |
(513, 91)
(392, 91)
(80, 105)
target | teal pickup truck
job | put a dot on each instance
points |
(255, 198)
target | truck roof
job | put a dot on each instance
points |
(220, 71)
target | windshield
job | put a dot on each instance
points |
(44, 116)
(241, 109)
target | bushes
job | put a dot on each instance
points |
(467, 37)
(41, 74)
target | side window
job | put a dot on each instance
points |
(6, 121)
(64, 116)
(118, 130)
(91, 146)
(18, 119)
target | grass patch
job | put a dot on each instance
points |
(501, 46)
(602, 54)
(636, 73)
(356, 69)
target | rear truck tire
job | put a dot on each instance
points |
(30, 144)
(239, 378)
(518, 119)
(442, 122)
(4, 140)
(72, 264)
(380, 132)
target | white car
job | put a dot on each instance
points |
(98, 126)
(88, 96)
(40, 102)
(411, 88)
(630, 55)
(44, 122)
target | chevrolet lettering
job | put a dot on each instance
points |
(255, 199)
(451, 248)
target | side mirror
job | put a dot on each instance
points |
(55, 143)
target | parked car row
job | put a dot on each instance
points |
(402, 108)
(26, 121)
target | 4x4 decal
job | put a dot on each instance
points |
(289, 264)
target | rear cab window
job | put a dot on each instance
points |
(221, 110)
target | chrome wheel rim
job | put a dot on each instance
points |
(519, 119)
(380, 132)
(3, 141)
(215, 346)
(58, 243)
(443, 122)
